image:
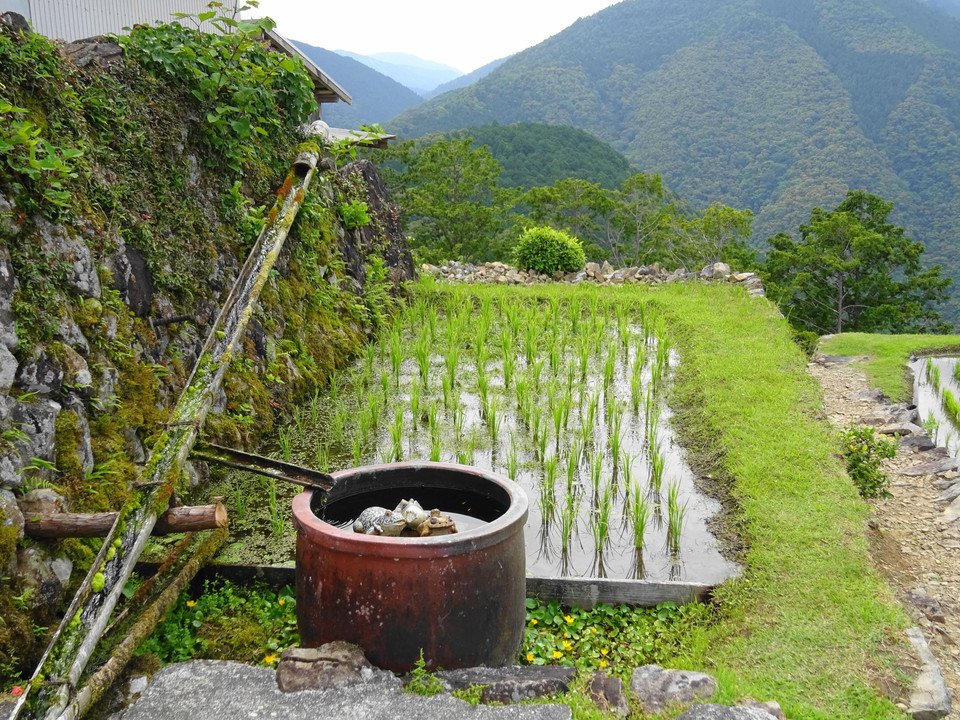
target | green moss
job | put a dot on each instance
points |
(98, 582)
(8, 540)
(68, 439)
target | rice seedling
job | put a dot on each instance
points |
(458, 416)
(483, 391)
(651, 417)
(573, 312)
(636, 381)
(573, 464)
(535, 425)
(466, 450)
(433, 418)
(357, 446)
(451, 360)
(531, 333)
(396, 435)
(657, 463)
(284, 442)
(521, 391)
(639, 514)
(512, 461)
(555, 353)
(432, 323)
(321, 458)
(933, 375)
(415, 403)
(277, 522)
(396, 355)
(956, 371)
(622, 329)
(338, 423)
(508, 365)
(568, 519)
(334, 390)
(596, 473)
(536, 371)
(385, 385)
(676, 513)
(556, 412)
(446, 385)
(600, 518)
(369, 356)
(421, 351)
(436, 447)
(610, 365)
(541, 440)
(494, 419)
(583, 353)
(615, 437)
(315, 408)
(373, 408)
(950, 406)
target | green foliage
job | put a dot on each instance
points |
(422, 681)
(226, 621)
(471, 695)
(864, 452)
(547, 251)
(449, 192)
(354, 214)
(852, 270)
(619, 638)
(244, 92)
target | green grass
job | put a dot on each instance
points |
(808, 622)
(888, 355)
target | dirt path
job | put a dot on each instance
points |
(916, 552)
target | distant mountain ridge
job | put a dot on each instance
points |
(418, 74)
(773, 105)
(376, 97)
(467, 79)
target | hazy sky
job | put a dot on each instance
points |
(464, 36)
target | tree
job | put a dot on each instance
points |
(454, 206)
(854, 271)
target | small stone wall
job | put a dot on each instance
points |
(498, 273)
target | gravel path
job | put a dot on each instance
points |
(913, 547)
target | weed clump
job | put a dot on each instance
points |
(864, 452)
(547, 250)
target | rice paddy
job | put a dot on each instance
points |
(937, 395)
(561, 392)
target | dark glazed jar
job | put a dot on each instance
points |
(459, 597)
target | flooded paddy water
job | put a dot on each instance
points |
(936, 393)
(562, 393)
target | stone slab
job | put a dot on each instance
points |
(930, 699)
(217, 690)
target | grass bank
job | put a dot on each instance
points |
(810, 621)
(887, 356)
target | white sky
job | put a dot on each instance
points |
(465, 36)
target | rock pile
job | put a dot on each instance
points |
(498, 273)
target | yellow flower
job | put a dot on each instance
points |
(281, 601)
(529, 657)
(557, 654)
(533, 621)
(604, 651)
(191, 603)
(566, 635)
(568, 618)
(269, 659)
(594, 629)
(603, 663)
(162, 619)
(566, 645)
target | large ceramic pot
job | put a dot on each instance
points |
(459, 598)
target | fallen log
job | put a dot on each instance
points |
(83, 525)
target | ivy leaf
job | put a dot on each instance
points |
(241, 127)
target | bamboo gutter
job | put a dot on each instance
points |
(52, 692)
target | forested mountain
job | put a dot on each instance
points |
(773, 105)
(535, 154)
(376, 98)
(467, 79)
(418, 74)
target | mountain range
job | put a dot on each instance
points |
(376, 97)
(420, 75)
(773, 105)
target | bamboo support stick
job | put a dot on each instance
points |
(143, 628)
(76, 638)
(81, 525)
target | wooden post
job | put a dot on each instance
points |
(78, 525)
(59, 670)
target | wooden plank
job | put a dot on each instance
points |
(84, 525)
(583, 592)
(587, 592)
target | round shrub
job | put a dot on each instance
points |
(547, 250)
